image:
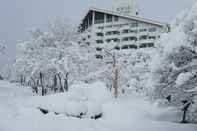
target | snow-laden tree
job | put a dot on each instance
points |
(133, 67)
(53, 55)
(48, 53)
(176, 65)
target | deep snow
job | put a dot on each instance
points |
(127, 113)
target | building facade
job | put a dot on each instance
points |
(110, 29)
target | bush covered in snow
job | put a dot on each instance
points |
(84, 100)
(176, 72)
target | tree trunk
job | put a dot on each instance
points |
(184, 117)
(41, 82)
(55, 84)
(66, 83)
(60, 80)
(36, 87)
(115, 82)
(185, 109)
(21, 80)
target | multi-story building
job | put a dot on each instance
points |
(119, 29)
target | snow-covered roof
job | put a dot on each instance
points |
(137, 18)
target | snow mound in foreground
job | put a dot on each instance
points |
(83, 100)
(96, 92)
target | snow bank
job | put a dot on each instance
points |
(83, 100)
(96, 92)
(18, 113)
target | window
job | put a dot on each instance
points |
(125, 47)
(109, 26)
(143, 30)
(109, 18)
(125, 31)
(117, 48)
(134, 24)
(108, 40)
(116, 32)
(151, 45)
(108, 33)
(113, 40)
(133, 38)
(133, 46)
(118, 25)
(125, 39)
(99, 34)
(153, 29)
(99, 18)
(152, 37)
(133, 31)
(99, 41)
(143, 37)
(112, 33)
(101, 27)
(99, 56)
(99, 49)
(115, 18)
(144, 45)
(116, 40)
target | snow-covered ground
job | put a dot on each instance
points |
(19, 112)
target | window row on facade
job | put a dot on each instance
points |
(143, 45)
(129, 25)
(125, 31)
(127, 39)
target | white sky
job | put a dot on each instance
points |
(17, 16)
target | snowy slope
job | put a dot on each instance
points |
(127, 113)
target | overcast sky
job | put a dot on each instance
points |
(17, 16)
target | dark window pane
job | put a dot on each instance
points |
(144, 45)
(99, 18)
(109, 18)
(133, 46)
(116, 18)
(125, 47)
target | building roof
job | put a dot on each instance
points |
(137, 18)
